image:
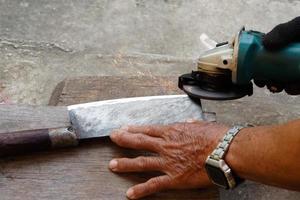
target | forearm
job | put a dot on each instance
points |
(268, 154)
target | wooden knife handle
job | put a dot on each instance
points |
(13, 143)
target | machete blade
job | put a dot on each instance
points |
(98, 119)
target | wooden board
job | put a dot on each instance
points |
(21, 117)
(81, 90)
(82, 172)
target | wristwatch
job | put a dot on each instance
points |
(217, 169)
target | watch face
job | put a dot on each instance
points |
(217, 176)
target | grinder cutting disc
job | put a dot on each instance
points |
(200, 89)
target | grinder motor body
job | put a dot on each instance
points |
(226, 71)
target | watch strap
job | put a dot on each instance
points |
(223, 146)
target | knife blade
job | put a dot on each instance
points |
(89, 120)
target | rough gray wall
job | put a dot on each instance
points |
(169, 27)
(42, 42)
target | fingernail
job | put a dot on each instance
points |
(125, 128)
(190, 120)
(129, 193)
(112, 135)
(113, 165)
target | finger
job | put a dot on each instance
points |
(151, 186)
(293, 89)
(153, 130)
(183, 125)
(135, 141)
(275, 87)
(260, 83)
(282, 34)
(138, 164)
(191, 120)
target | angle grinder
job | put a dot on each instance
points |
(226, 71)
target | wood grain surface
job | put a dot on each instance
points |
(82, 90)
(82, 172)
(24, 117)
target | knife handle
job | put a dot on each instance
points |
(12, 143)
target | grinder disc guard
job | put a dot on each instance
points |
(196, 88)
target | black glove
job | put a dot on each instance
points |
(279, 37)
(282, 35)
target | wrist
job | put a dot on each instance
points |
(216, 167)
(266, 154)
(235, 154)
(242, 153)
(213, 134)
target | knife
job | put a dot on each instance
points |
(26, 128)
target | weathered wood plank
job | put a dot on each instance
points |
(82, 90)
(82, 173)
(20, 118)
(77, 173)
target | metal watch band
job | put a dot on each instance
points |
(223, 145)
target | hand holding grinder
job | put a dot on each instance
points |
(226, 71)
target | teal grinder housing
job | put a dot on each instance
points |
(254, 61)
(226, 71)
